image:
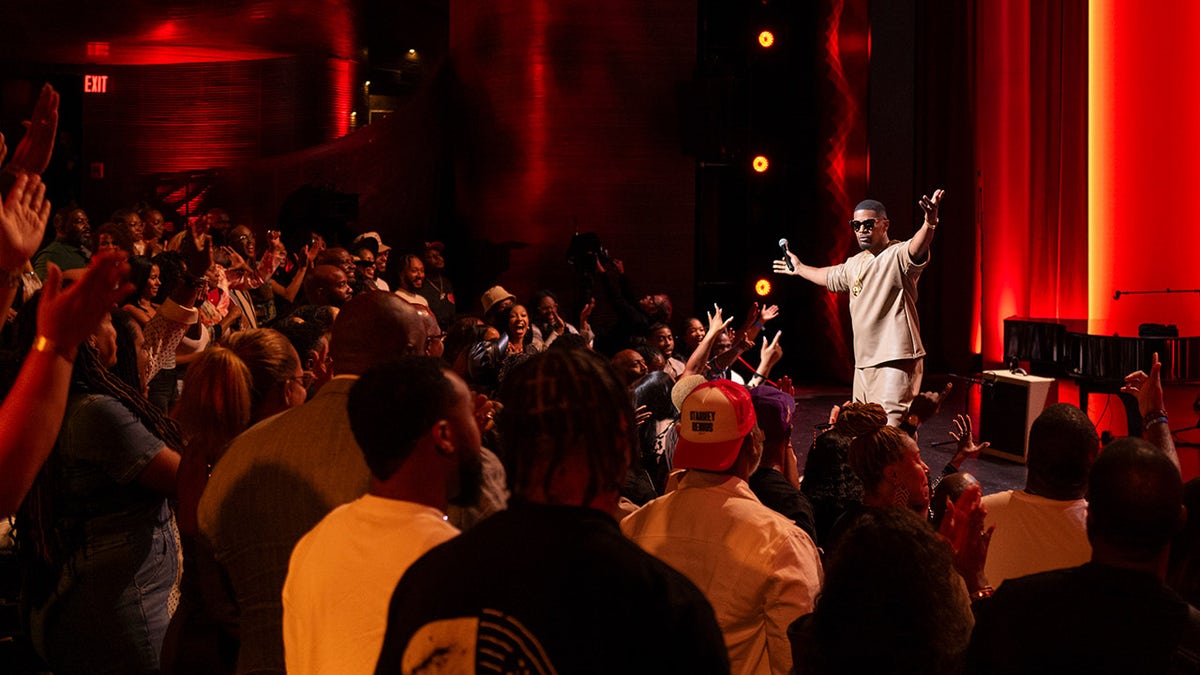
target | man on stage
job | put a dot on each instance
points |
(882, 282)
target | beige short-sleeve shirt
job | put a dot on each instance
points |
(883, 312)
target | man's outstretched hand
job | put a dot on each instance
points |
(930, 206)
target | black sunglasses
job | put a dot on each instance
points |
(867, 224)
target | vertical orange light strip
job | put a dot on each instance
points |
(1100, 129)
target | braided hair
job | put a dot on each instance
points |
(46, 545)
(875, 446)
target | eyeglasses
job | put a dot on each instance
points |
(866, 225)
(365, 263)
(305, 379)
(429, 341)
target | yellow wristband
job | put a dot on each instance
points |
(44, 344)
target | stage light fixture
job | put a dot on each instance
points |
(761, 163)
(766, 38)
(763, 288)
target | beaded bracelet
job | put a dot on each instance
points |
(1151, 421)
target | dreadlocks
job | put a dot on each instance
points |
(562, 408)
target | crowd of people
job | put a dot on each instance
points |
(223, 455)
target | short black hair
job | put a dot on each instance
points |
(1134, 497)
(305, 336)
(395, 403)
(569, 341)
(872, 205)
(1062, 445)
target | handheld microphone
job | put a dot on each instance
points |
(786, 258)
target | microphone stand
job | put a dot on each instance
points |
(1117, 294)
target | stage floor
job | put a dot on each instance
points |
(995, 474)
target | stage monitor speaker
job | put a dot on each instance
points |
(1009, 403)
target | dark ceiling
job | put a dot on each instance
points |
(375, 33)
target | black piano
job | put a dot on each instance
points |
(1097, 358)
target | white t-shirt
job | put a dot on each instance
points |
(1034, 534)
(411, 298)
(341, 577)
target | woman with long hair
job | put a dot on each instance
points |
(252, 375)
(146, 282)
(95, 533)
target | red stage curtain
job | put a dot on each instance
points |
(1031, 159)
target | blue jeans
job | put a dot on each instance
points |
(162, 390)
(109, 611)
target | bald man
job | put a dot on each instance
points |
(327, 285)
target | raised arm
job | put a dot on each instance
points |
(32, 155)
(24, 212)
(1149, 393)
(32, 413)
(308, 256)
(918, 246)
(769, 355)
(698, 362)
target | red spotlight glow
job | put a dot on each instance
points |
(763, 287)
(766, 39)
(761, 163)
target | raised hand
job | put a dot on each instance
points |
(198, 256)
(586, 313)
(769, 312)
(930, 206)
(276, 246)
(962, 526)
(927, 404)
(967, 448)
(23, 217)
(1147, 389)
(557, 323)
(236, 261)
(33, 152)
(771, 351)
(68, 317)
(717, 322)
(485, 412)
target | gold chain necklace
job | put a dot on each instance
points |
(856, 289)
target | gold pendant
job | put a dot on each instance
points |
(856, 289)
